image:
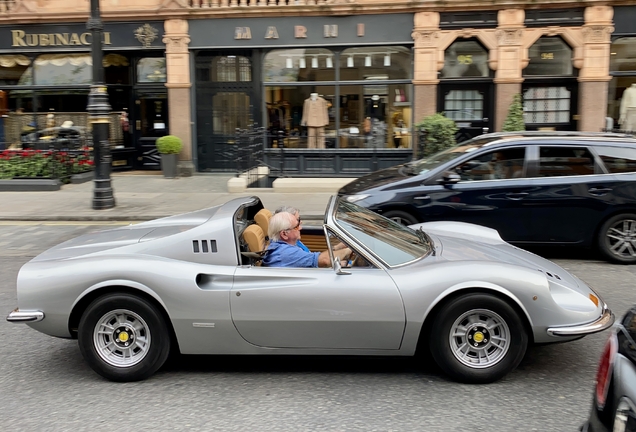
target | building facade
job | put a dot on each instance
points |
(201, 69)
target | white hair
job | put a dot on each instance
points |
(287, 209)
(280, 222)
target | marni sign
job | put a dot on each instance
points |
(300, 32)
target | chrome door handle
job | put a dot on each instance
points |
(423, 197)
(516, 195)
(599, 191)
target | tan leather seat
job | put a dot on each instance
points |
(262, 219)
(254, 237)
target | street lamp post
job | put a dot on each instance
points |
(99, 108)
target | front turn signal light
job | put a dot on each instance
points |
(594, 299)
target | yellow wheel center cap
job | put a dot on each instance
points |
(123, 337)
(478, 337)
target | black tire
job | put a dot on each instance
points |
(401, 217)
(478, 306)
(143, 326)
(616, 239)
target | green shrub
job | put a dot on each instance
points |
(440, 134)
(169, 144)
(514, 121)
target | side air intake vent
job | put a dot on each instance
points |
(204, 246)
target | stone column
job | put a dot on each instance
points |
(508, 62)
(427, 62)
(177, 39)
(594, 75)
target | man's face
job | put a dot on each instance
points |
(292, 235)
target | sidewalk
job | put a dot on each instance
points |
(143, 196)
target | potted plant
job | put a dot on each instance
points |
(169, 147)
(514, 121)
(438, 134)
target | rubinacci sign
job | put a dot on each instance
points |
(20, 38)
(42, 38)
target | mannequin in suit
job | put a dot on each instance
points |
(627, 117)
(315, 117)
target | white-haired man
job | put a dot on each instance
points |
(283, 250)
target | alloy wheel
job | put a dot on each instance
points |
(621, 237)
(121, 338)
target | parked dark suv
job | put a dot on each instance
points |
(535, 188)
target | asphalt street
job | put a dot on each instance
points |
(46, 385)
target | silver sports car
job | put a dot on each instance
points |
(193, 284)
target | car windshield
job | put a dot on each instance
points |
(428, 163)
(395, 244)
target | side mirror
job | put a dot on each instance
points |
(449, 178)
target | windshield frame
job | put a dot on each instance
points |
(336, 207)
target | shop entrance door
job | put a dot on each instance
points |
(470, 105)
(150, 121)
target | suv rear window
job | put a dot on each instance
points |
(618, 159)
(565, 161)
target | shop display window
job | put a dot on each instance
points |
(621, 100)
(62, 69)
(15, 70)
(391, 63)
(151, 70)
(299, 65)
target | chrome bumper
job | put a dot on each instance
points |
(604, 322)
(18, 316)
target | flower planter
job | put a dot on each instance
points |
(30, 185)
(169, 165)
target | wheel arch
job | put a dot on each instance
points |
(89, 296)
(422, 343)
(403, 207)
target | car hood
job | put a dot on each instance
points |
(374, 180)
(468, 242)
(120, 237)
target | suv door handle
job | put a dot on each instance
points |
(599, 191)
(422, 197)
(516, 195)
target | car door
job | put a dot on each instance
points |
(571, 194)
(317, 308)
(491, 192)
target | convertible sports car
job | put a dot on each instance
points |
(193, 284)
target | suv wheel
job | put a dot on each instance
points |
(617, 238)
(401, 217)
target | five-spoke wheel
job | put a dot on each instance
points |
(478, 338)
(123, 337)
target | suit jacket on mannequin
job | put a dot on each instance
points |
(315, 113)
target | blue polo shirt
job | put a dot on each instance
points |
(281, 254)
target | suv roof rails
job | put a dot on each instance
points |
(558, 133)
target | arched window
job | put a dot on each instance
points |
(549, 56)
(465, 59)
(231, 69)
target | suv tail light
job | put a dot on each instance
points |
(604, 373)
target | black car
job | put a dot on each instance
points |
(535, 188)
(614, 401)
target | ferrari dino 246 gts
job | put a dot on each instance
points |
(193, 284)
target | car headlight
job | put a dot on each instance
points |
(356, 198)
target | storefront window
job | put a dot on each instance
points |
(549, 56)
(464, 105)
(623, 55)
(63, 69)
(14, 69)
(151, 69)
(622, 88)
(116, 69)
(546, 105)
(369, 63)
(465, 59)
(299, 65)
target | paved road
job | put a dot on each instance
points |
(45, 384)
